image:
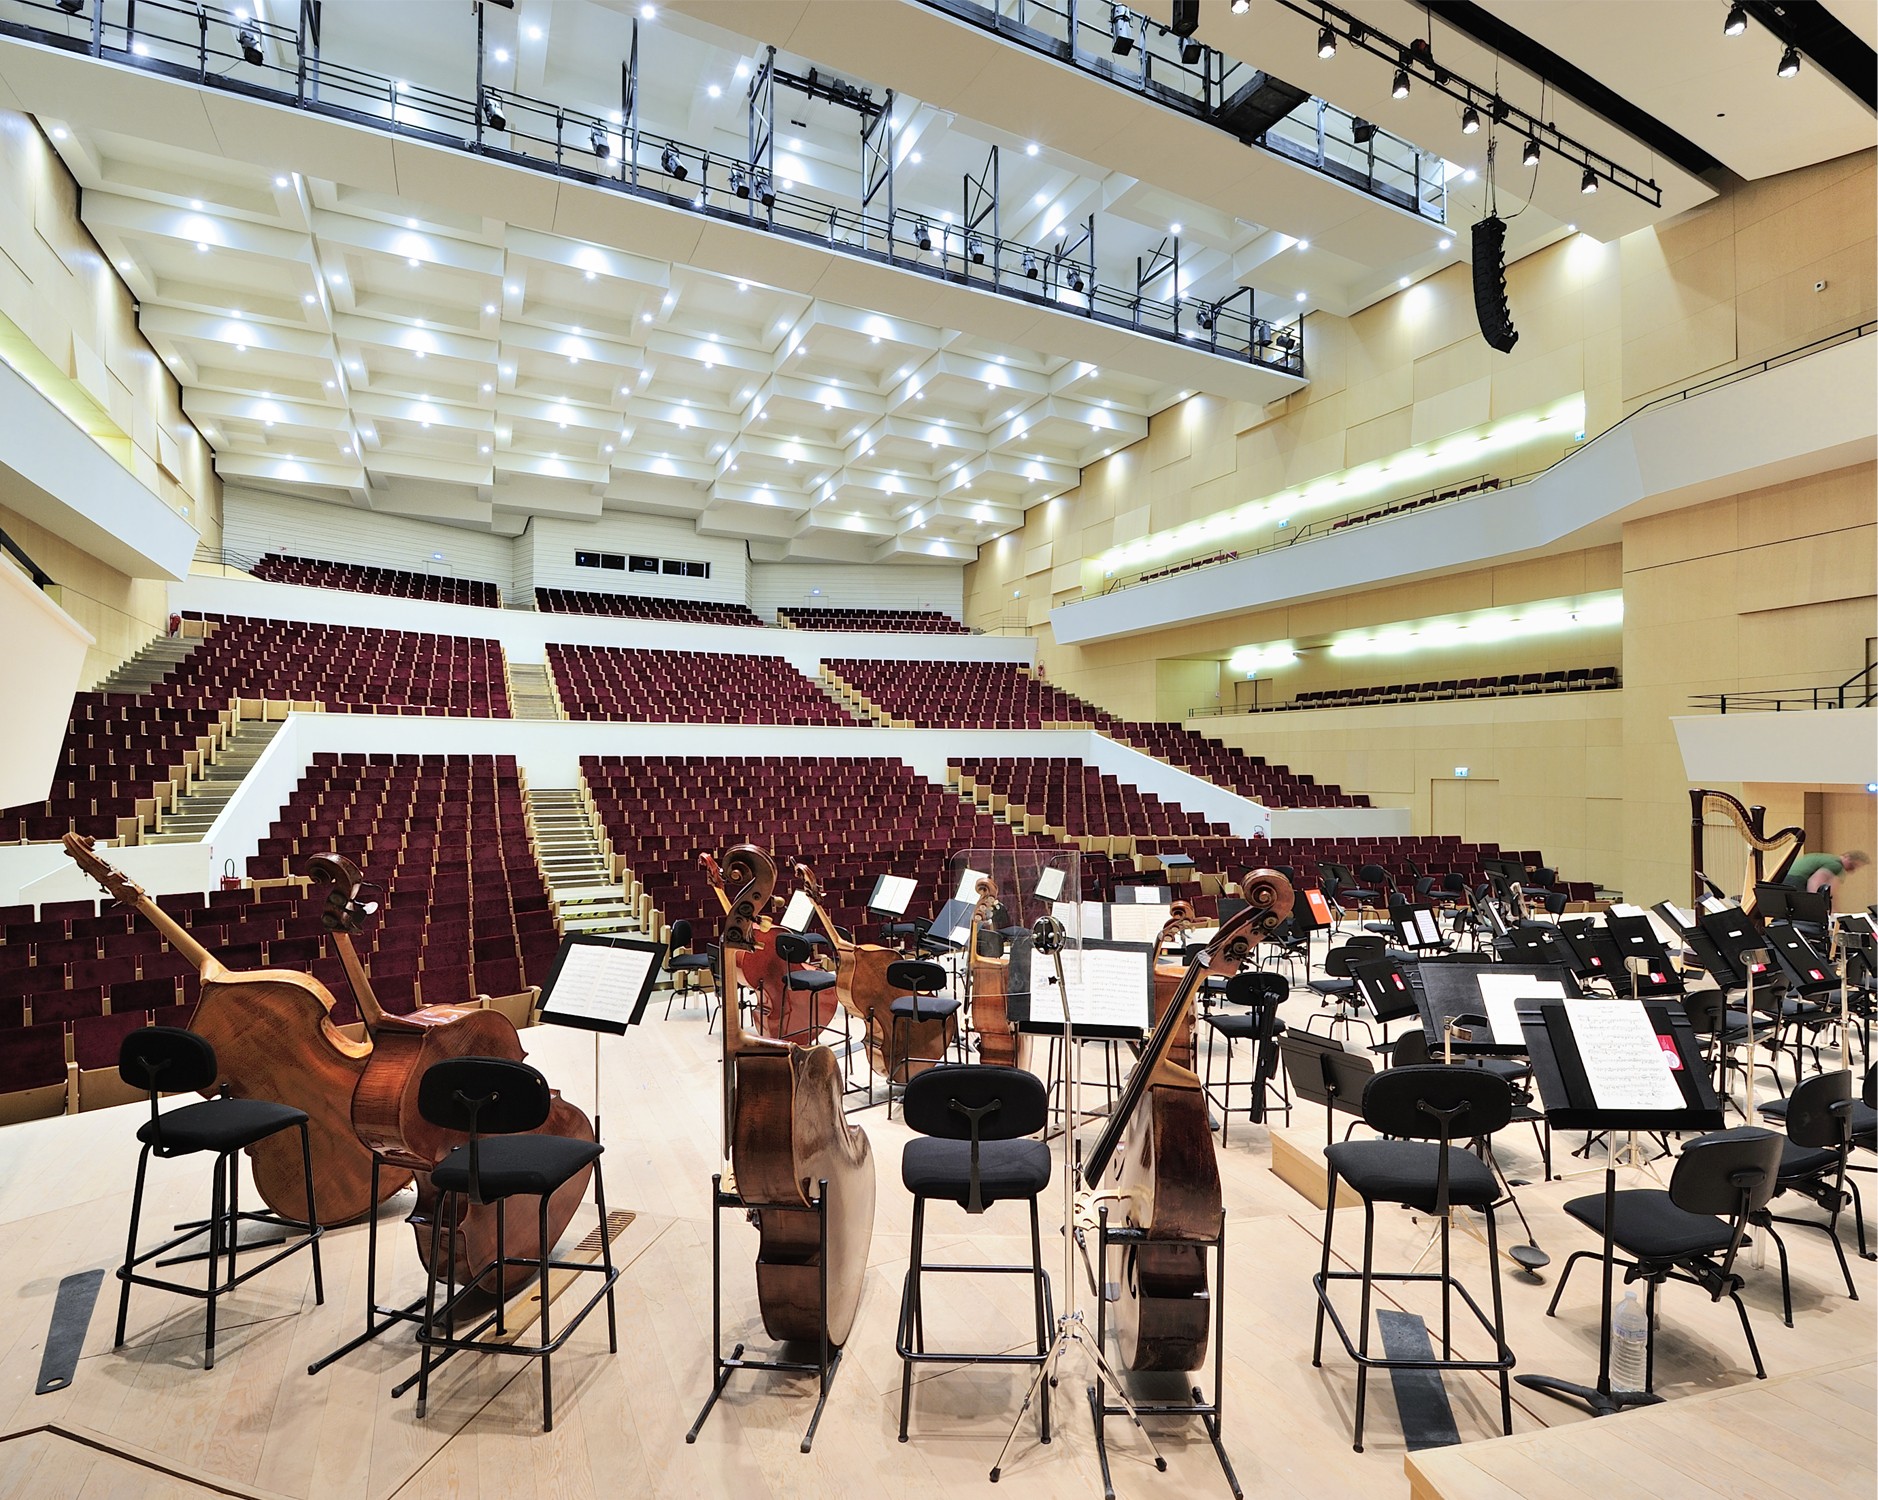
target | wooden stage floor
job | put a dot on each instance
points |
(147, 1421)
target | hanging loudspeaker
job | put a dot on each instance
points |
(1496, 318)
(1186, 18)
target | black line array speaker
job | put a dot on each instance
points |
(1496, 318)
(1186, 19)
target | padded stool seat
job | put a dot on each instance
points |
(932, 1167)
(512, 1164)
(812, 980)
(689, 961)
(922, 1007)
(1650, 1225)
(1332, 986)
(1404, 1172)
(1239, 1024)
(218, 1125)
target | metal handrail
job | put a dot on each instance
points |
(560, 141)
(1779, 700)
(40, 577)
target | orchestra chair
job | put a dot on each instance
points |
(1690, 1232)
(974, 1121)
(169, 1060)
(1813, 1160)
(497, 1103)
(794, 950)
(1337, 989)
(1255, 996)
(1724, 1032)
(920, 980)
(679, 959)
(1411, 1049)
(1426, 1110)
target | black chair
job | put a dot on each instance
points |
(1692, 1231)
(1337, 988)
(1725, 1032)
(167, 1059)
(1813, 1161)
(1255, 996)
(921, 980)
(679, 959)
(1426, 1109)
(496, 1102)
(972, 1120)
(795, 950)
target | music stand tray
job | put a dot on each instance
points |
(1559, 1074)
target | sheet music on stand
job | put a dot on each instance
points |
(1110, 989)
(798, 913)
(1451, 991)
(1050, 882)
(601, 983)
(968, 884)
(1144, 895)
(1136, 924)
(1082, 920)
(892, 895)
(1420, 927)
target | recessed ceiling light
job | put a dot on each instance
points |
(309, 299)
(329, 385)
(202, 245)
(1173, 229)
(59, 132)
(1031, 149)
(501, 54)
(196, 204)
(280, 182)
(1469, 175)
(1402, 282)
(411, 261)
(1446, 245)
(1300, 297)
(645, 317)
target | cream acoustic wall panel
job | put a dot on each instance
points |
(255, 523)
(1837, 746)
(545, 557)
(39, 671)
(775, 586)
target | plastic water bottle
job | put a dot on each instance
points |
(1630, 1340)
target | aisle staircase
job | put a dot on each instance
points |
(202, 804)
(531, 692)
(573, 860)
(854, 703)
(149, 666)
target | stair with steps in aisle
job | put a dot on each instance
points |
(202, 804)
(149, 666)
(855, 704)
(573, 860)
(531, 692)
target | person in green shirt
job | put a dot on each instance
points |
(1822, 872)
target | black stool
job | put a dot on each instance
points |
(972, 1118)
(503, 1100)
(167, 1059)
(922, 980)
(792, 949)
(1260, 992)
(1427, 1108)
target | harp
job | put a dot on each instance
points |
(1783, 845)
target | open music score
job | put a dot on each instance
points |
(1501, 994)
(1110, 989)
(1082, 920)
(601, 983)
(892, 895)
(1136, 924)
(1049, 883)
(798, 913)
(1625, 1063)
(968, 886)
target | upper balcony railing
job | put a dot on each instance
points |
(1316, 134)
(245, 54)
(1860, 690)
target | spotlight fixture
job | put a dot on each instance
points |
(1737, 21)
(1589, 182)
(1204, 317)
(1529, 153)
(1076, 282)
(1030, 266)
(1470, 121)
(1399, 89)
(1326, 42)
(668, 159)
(739, 183)
(493, 115)
(1287, 340)
(1191, 50)
(925, 235)
(1362, 132)
(976, 250)
(1359, 33)
(602, 148)
(765, 190)
(1790, 62)
(1121, 30)
(71, 7)
(249, 40)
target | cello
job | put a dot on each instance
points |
(274, 1038)
(385, 1116)
(765, 970)
(998, 1040)
(1156, 1161)
(784, 1132)
(861, 988)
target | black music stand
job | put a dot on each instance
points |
(1321, 1071)
(1570, 1105)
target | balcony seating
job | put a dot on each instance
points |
(1082, 801)
(311, 572)
(1513, 684)
(686, 687)
(644, 607)
(896, 621)
(1401, 507)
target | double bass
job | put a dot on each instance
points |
(780, 1012)
(998, 1040)
(784, 1133)
(385, 1116)
(274, 1038)
(1170, 968)
(1155, 1161)
(862, 990)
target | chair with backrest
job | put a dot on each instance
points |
(1693, 1230)
(158, 1060)
(1421, 1112)
(803, 979)
(499, 1104)
(1337, 989)
(1813, 1162)
(1251, 999)
(918, 982)
(680, 960)
(974, 1123)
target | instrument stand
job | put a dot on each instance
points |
(1200, 1408)
(828, 1359)
(1072, 1329)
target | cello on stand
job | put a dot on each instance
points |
(999, 1042)
(794, 1165)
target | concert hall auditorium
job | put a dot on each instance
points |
(1113, 748)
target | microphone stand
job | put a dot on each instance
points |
(1072, 1329)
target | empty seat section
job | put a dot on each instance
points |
(686, 687)
(312, 572)
(1081, 801)
(904, 621)
(1514, 684)
(644, 607)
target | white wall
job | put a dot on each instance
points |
(254, 523)
(545, 557)
(39, 673)
(524, 634)
(38, 873)
(1836, 746)
(775, 586)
